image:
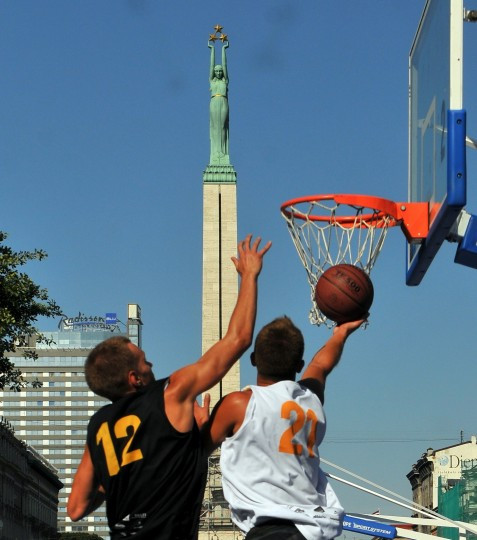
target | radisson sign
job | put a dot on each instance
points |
(84, 323)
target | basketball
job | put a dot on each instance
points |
(344, 293)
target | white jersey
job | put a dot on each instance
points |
(271, 466)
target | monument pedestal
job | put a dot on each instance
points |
(221, 174)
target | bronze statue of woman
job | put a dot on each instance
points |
(219, 109)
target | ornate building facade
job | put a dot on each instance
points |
(29, 488)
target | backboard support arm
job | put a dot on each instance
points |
(414, 218)
(464, 231)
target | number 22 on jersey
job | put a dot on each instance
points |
(299, 418)
(103, 436)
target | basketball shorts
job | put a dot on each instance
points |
(277, 529)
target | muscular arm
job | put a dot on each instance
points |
(324, 361)
(86, 494)
(187, 383)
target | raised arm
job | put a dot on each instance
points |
(224, 61)
(324, 361)
(187, 383)
(212, 61)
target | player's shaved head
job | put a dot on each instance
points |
(279, 348)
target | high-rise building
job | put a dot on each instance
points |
(53, 417)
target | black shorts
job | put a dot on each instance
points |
(276, 529)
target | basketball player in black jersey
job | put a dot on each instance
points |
(143, 454)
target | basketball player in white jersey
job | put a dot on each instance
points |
(270, 435)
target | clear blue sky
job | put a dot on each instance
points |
(103, 141)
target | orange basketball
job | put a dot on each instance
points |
(344, 293)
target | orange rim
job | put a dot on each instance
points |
(412, 217)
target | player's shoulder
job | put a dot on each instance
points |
(146, 395)
(231, 411)
(238, 397)
(104, 414)
(233, 403)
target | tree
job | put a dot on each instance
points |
(21, 303)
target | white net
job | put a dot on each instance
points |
(326, 233)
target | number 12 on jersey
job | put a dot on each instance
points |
(104, 437)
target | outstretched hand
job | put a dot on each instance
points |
(350, 326)
(250, 257)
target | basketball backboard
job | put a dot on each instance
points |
(437, 128)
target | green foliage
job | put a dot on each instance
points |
(21, 303)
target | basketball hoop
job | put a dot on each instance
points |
(346, 229)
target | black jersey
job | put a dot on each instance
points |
(147, 467)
